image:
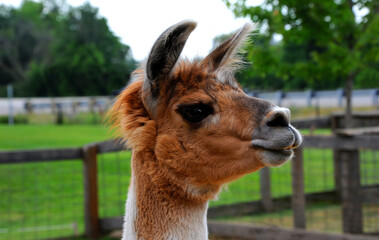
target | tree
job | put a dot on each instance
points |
(52, 49)
(22, 40)
(324, 43)
(87, 59)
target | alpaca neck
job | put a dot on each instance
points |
(157, 209)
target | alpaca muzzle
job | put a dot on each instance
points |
(276, 138)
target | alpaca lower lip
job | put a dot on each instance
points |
(284, 152)
(275, 146)
(274, 157)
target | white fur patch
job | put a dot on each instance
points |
(129, 232)
(193, 226)
(227, 77)
(214, 119)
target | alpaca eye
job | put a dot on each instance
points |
(195, 113)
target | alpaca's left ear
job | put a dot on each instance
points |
(225, 57)
(165, 52)
(162, 58)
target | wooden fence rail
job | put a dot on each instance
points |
(40, 155)
(349, 190)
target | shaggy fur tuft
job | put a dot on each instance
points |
(130, 119)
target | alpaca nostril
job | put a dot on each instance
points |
(278, 121)
(279, 118)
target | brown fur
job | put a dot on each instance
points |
(170, 156)
(178, 165)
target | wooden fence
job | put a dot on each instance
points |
(349, 192)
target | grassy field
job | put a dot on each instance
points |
(310, 112)
(45, 200)
(50, 136)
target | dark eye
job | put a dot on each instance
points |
(195, 113)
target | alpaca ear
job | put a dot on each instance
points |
(225, 56)
(165, 52)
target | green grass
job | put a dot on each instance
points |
(48, 194)
(311, 112)
(50, 136)
(51, 193)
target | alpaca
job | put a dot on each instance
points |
(192, 130)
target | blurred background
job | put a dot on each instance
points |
(62, 62)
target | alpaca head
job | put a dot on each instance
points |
(195, 120)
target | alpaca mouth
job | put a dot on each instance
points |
(276, 145)
(274, 157)
(283, 152)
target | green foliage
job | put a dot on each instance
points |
(70, 51)
(18, 119)
(21, 34)
(368, 44)
(322, 43)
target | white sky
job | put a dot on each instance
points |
(139, 22)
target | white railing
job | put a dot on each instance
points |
(325, 99)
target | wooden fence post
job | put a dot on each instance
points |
(298, 195)
(309, 95)
(279, 97)
(351, 192)
(91, 207)
(340, 93)
(375, 95)
(265, 189)
(337, 170)
(53, 106)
